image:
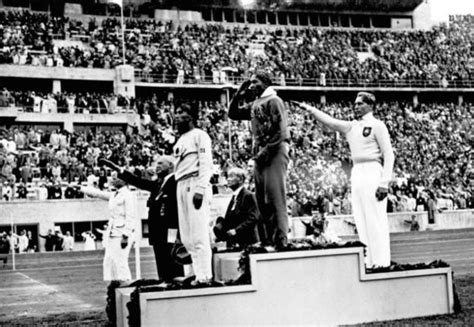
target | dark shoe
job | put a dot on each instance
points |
(281, 243)
(184, 280)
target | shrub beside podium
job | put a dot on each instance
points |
(313, 287)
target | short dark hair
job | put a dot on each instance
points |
(367, 97)
(189, 107)
(264, 77)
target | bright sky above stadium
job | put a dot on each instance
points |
(441, 9)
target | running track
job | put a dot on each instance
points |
(74, 283)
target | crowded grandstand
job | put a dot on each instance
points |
(423, 79)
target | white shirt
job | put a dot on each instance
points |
(235, 194)
(194, 157)
(68, 242)
(122, 208)
(369, 141)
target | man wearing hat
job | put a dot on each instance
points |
(268, 115)
(239, 227)
(193, 171)
(372, 158)
(162, 213)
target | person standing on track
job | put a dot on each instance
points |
(193, 171)
(162, 213)
(268, 115)
(372, 158)
(120, 228)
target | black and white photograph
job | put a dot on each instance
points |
(236, 163)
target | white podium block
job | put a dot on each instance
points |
(317, 287)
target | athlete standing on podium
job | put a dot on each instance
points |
(193, 171)
(372, 158)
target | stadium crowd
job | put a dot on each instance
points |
(194, 53)
(431, 141)
(66, 102)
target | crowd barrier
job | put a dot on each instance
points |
(45, 214)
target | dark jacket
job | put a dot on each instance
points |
(162, 204)
(243, 219)
(50, 241)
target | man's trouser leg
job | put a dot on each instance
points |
(116, 260)
(270, 183)
(194, 228)
(370, 214)
(166, 267)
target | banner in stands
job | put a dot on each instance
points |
(255, 49)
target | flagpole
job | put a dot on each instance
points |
(12, 242)
(123, 33)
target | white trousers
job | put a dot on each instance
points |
(370, 215)
(194, 227)
(116, 260)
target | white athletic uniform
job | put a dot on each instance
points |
(193, 171)
(373, 158)
(123, 221)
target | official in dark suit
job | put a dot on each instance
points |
(162, 214)
(239, 227)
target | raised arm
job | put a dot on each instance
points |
(238, 109)
(95, 192)
(141, 183)
(342, 126)
(128, 177)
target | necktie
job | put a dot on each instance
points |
(232, 203)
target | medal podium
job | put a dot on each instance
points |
(312, 287)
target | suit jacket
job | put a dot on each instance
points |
(243, 218)
(162, 204)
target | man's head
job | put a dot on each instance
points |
(235, 178)
(259, 82)
(364, 103)
(164, 166)
(186, 117)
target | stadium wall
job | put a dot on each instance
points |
(58, 73)
(48, 213)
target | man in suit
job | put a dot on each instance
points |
(162, 214)
(239, 227)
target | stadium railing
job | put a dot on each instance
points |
(141, 76)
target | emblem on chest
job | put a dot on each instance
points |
(366, 131)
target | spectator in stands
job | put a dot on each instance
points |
(68, 242)
(22, 242)
(428, 157)
(89, 240)
(414, 225)
(4, 248)
(431, 207)
(50, 240)
(32, 242)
